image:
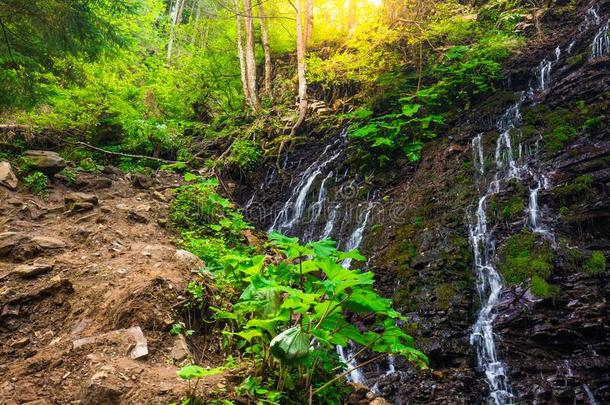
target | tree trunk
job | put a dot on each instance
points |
(300, 67)
(176, 16)
(249, 54)
(352, 16)
(266, 48)
(308, 21)
(240, 54)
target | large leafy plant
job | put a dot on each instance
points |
(293, 312)
(404, 131)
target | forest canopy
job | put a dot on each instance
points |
(136, 75)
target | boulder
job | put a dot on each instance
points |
(188, 260)
(142, 181)
(7, 177)
(8, 241)
(50, 163)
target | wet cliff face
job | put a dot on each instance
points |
(551, 323)
(548, 224)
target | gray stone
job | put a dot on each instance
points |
(141, 349)
(50, 163)
(188, 260)
(7, 177)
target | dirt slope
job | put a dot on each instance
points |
(108, 268)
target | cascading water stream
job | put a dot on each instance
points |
(303, 214)
(489, 281)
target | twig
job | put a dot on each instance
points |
(122, 154)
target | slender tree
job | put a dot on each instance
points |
(301, 67)
(308, 21)
(266, 48)
(176, 16)
(250, 56)
(240, 54)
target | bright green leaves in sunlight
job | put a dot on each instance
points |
(296, 306)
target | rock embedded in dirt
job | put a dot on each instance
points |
(73, 198)
(138, 348)
(20, 343)
(188, 260)
(137, 216)
(48, 242)
(142, 181)
(141, 349)
(101, 390)
(32, 270)
(50, 163)
(9, 241)
(7, 177)
(180, 350)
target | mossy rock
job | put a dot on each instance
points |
(578, 190)
(596, 263)
(525, 258)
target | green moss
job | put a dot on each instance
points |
(558, 136)
(577, 59)
(524, 259)
(540, 288)
(596, 264)
(444, 294)
(579, 189)
(513, 208)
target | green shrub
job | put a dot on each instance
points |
(596, 264)
(284, 305)
(578, 190)
(37, 183)
(244, 154)
(210, 226)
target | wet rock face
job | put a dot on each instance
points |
(556, 345)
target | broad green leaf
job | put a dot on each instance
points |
(291, 343)
(194, 371)
(410, 110)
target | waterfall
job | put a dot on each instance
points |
(355, 238)
(590, 395)
(489, 282)
(347, 356)
(294, 208)
(601, 42)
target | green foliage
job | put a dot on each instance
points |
(244, 154)
(285, 306)
(405, 130)
(596, 264)
(578, 190)
(70, 176)
(524, 259)
(210, 226)
(194, 372)
(37, 183)
(513, 208)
